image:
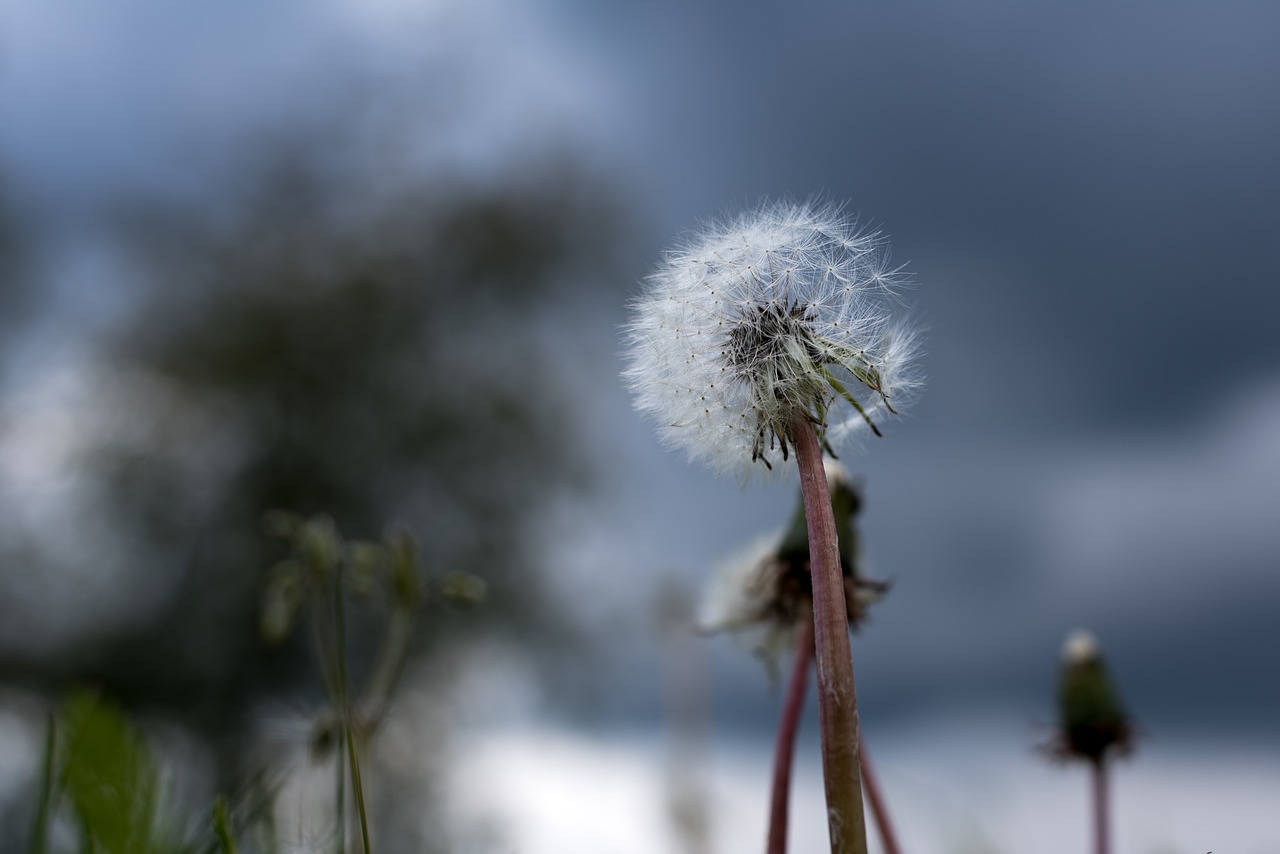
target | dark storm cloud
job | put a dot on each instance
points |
(1091, 186)
(1087, 194)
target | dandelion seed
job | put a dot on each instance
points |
(783, 309)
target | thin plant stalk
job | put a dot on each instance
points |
(340, 789)
(875, 799)
(357, 789)
(1101, 814)
(329, 656)
(837, 699)
(222, 827)
(390, 667)
(788, 725)
(40, 834)
(344, 709)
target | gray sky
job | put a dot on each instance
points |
(1087, 195)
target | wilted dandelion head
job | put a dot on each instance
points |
(783, 309)
(759, 597)
(763, 592)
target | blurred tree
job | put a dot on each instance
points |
(308, 345)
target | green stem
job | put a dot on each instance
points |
(390, 667)
(340, 790)
(788, 724)
(344, 710)
(357, 789)
(837, 699)
(222, 826)
(340, 703)
(40, 834)
(328, 639)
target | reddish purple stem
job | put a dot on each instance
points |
(1101, 816)
(879, 810)
(784, 749)
(837, 699)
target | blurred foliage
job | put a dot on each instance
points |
(370, 359)
(321, 574)
(111, 784)
(304, 343)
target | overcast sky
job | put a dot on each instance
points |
(1088, 198)
(1087, 195)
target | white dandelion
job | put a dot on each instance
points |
(784, 309)
(766, 335)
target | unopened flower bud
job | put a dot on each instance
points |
(1093, 721)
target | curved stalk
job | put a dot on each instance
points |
(875, 800)
(788, 724)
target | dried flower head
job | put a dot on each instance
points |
(783, 309)
(766, 589)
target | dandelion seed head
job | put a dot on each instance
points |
(785, 308)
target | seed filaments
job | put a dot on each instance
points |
(782, 312)
(775, 349)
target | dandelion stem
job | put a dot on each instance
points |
(837, 699)
(784, 748)
(875, 799)
(1101, 817)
